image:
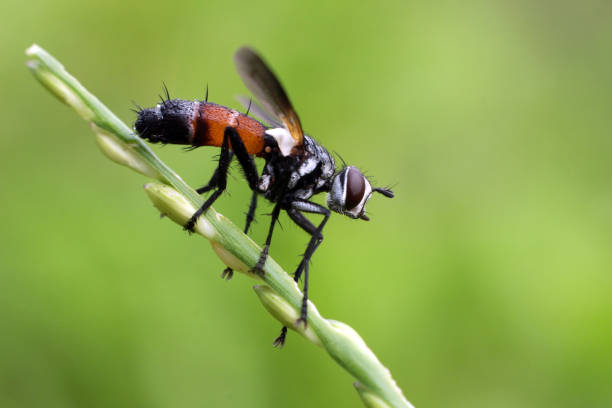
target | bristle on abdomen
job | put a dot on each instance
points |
(197, 123)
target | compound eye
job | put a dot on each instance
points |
(355, 188)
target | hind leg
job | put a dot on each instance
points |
(218, 181)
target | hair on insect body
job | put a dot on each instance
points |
(296, 167)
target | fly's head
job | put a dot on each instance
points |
(350, 191)
(170, 121)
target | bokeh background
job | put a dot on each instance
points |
(485, 283)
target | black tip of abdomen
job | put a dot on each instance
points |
(168, 122)
(147, 123)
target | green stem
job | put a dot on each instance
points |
(341, 342)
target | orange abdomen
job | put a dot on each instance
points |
(210, 122)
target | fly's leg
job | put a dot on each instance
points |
(250, 172)
(295, 213)
(280, 340)
(297, 207)
(215, 177)
(231, 137)
(250, 216)
(218, 181)
(264, 253)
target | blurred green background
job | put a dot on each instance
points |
(484, 283)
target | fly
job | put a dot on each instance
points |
(296, 166)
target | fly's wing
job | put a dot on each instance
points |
(267, 89)
(258, 111)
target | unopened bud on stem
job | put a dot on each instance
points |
(370, 400)
(57, 87)
(283, 312)
(174, 205)
(231, 261)
(122, 153)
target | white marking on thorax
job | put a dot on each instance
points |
(308, 167)
(293, 179)
(283, 139)
(264, 182)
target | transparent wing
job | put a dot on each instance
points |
(268, 91)
(258, 111)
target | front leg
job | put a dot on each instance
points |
(297, 207)
(295, 213)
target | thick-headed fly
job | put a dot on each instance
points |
(296, 166)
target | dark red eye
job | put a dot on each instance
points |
(355, 188)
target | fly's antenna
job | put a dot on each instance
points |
(386, 191)
(206, 94)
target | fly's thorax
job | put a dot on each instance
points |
(301, 174)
